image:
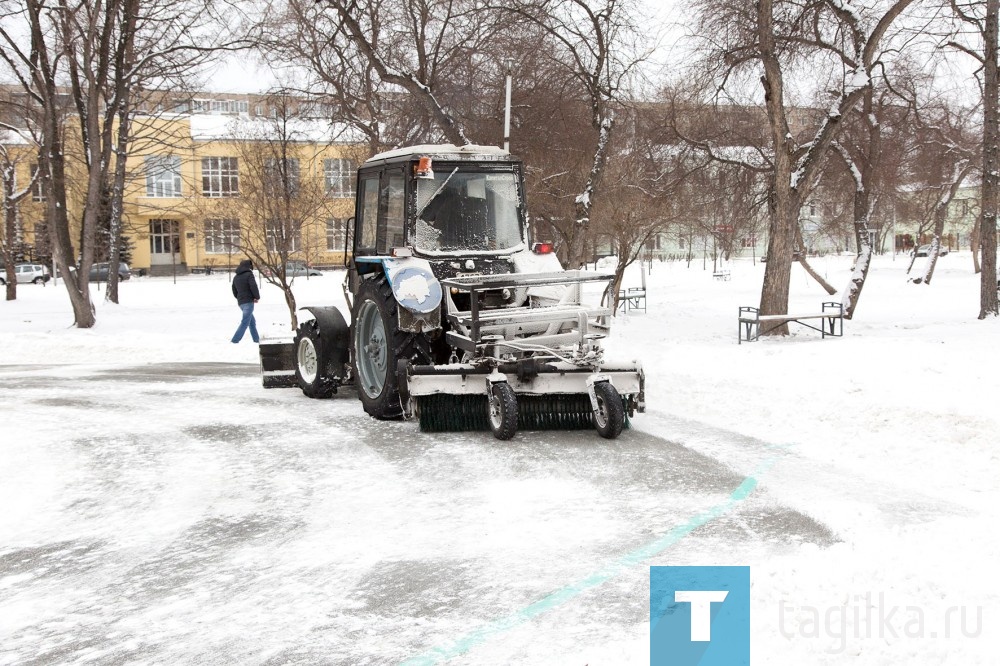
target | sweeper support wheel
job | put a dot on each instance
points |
(609, 410)
(502, 410)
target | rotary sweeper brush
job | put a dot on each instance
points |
(454, 319)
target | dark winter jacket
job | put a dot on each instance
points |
(244, 286)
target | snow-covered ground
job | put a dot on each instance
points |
(884, 438)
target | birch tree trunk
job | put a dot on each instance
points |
(940, 217)
(10, 230)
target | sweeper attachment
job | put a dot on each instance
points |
(456, 319)
(535, 367)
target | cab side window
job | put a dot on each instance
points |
(367, 222)
(391, 231)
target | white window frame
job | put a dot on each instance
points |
(336, 234)
(338, 175)
(163, 176)
(272, 174)
(222, 235)
(37, 191)
(272, 229)
(220, 177)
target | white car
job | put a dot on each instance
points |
(28, 273)
(924, 250)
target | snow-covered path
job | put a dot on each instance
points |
(160, 507)
(217, 523)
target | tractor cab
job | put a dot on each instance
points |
(459, 208)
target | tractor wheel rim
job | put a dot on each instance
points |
(371, 345)
(601, 415)
(308, 363)
(496, 414)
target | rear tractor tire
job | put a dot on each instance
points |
(609, 419)
(503, 410)
(310, 362)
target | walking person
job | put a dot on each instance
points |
(245, 291)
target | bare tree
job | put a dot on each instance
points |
(36, 61)
(281, 193)
(412, 44)
(983, 18)
(783, 31)
(156, 41)
(600, 45)
(874, 172)
(642, 184)
(11, 234)
(93, 46)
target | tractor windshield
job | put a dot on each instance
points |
(466, 211)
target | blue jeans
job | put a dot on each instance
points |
(248, 320)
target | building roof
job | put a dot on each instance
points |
(228, 128)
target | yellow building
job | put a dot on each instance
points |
(194, 193)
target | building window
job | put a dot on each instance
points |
(222, 236)
(202, 105)
(180, 106)
(281, 177)
(220, 177)
(163, 176)
(336, 234)
(37, 190)
(339, 176)
(282, 237)
(242, 106)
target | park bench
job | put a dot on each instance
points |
(830, 321)
(722, 274)
(633, 298)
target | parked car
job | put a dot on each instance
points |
(28, 273)
(924, 250)
(99, 272)
(295, 269)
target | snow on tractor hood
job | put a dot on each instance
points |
(527, 261)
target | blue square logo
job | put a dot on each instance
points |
(699, 616)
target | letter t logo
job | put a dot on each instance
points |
(701, 610)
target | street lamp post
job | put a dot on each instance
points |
(508, 65)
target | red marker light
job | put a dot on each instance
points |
(543, 248)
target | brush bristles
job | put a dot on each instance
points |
(457, 413)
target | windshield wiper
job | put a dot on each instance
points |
(428, 202)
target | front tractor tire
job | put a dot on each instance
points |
(310, 363)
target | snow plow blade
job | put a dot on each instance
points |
(277, 364)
